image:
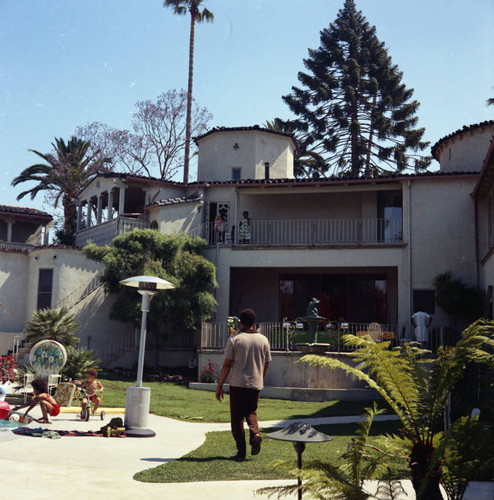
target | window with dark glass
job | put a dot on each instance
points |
(425, 301)
(236, 174)
(390, 216)
(45, 287)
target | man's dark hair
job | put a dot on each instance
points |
(247, 317)
(39, 385)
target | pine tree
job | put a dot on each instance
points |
(352, 105)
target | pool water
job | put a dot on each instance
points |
(5, 425)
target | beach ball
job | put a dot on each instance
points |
(14, 418)
(4, 410)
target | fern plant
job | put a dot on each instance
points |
(417, 388)
(345, 482)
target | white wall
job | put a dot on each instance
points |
(217, 155)
(443, 232)
(182, 217)
(14, 286)
(466, 151)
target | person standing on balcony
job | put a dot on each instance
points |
(421, 321)
(247, 355)
(220, 226)
(244, 228)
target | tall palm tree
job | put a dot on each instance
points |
(181, 7)
(67, 170)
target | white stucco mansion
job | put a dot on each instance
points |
(367, 248)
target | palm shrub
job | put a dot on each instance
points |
(417, 388)
(78, 363)
(52, 324)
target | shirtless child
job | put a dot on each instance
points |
(92, 387)
(46, 402)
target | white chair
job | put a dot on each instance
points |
(53, 381)
(28, 378)
(375, 332)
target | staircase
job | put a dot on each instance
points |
(80, 293)
(21, 351)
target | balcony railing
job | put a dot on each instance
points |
(284, 336)
(311, 232)
(12, 245)
(103, 234)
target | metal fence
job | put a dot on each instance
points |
(310, 232)
(283, 336)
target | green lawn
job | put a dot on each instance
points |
(211, 460)
(180, 402)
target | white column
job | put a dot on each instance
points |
(88, 213)
(99, 209)
(9, 229)
(46, 235)
(110, 205)
(79, 216)
(121, 200)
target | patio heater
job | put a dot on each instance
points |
(299, 433)
(138, 397)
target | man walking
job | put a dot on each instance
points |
(247, 356)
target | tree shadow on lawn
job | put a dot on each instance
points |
(343, 409)
(377, 429)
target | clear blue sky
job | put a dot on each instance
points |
(66, 63)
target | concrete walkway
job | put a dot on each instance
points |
(89, 467)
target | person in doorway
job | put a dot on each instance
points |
(247, 355)
(421, 321)
(244, 228)
(220, 226)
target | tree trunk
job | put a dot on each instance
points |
(425, 482)
(189, 98)
(70, 220)
(368, 168)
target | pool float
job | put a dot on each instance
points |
(4, 410)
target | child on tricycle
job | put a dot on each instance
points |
(91, 387)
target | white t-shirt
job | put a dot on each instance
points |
(249, 352)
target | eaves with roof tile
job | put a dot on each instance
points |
(465, 128)
(24, 211)
(255, 128)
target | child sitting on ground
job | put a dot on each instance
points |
(91, 386)
(46, 402)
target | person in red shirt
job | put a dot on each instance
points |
(46, 402)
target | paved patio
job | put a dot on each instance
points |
(85, 467)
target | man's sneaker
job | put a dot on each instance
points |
(255, 444)
(238, 457)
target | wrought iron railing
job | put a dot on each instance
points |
(309, 232)
(284, 336)
(79, 293)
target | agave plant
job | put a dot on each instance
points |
(417, 388)
(52, 324)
